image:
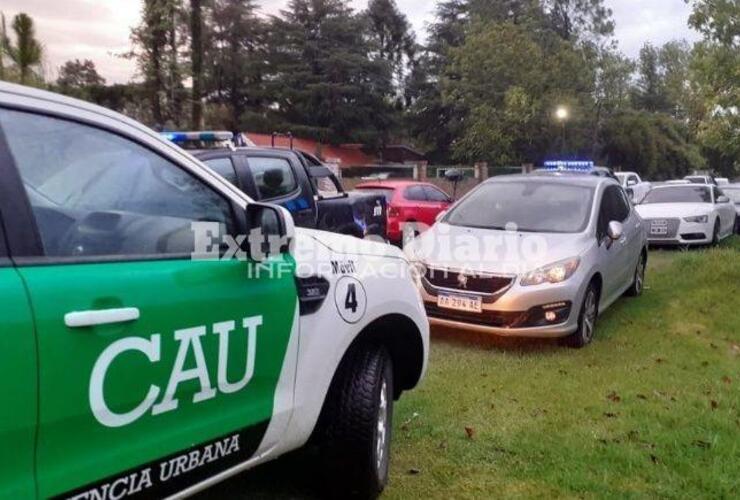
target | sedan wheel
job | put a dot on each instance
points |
(638, 283)
(586, 321)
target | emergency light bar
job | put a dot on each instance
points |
(569, 165)
(198, 136)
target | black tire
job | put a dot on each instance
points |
(354, 430)
(638, 281)
(715, 234)
(586, 319)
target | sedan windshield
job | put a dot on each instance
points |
(533, 206)
(679, 194)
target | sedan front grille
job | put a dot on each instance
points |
(486, 284)
(663, 228)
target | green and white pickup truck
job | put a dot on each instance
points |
(140, 359)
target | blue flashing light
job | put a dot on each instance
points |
(197, 136)
(580, 166)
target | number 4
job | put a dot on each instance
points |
(351, 301)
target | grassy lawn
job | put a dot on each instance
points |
(652, 408)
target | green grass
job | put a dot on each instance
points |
(652, 408)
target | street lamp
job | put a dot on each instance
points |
(562, 115)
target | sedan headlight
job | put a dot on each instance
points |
(554, 273)
(699, 219)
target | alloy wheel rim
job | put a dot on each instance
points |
(640, 278)
(381, 433)
(589, 315)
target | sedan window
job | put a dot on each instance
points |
(533, 206)
(679, 194)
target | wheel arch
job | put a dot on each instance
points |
(403, 340)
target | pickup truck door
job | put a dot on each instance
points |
(157, 369)
(18, 411)
(282, 180)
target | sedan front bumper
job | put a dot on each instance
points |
(543, 311)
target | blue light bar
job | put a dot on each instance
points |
(206, 136)
(569, 165)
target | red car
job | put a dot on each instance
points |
(409, 201)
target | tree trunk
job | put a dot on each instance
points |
(196, 55)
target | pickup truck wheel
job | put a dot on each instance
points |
(355, 424)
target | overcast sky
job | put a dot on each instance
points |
(99, 29)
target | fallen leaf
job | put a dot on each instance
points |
(654, 459)
(701, 444)
(659, 360)
(614, 397)
(641, 396)
(714, 404)
(470, 431)
(726, 379)
(610, 415)
(414, 472)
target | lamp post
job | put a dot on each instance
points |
(562, 116)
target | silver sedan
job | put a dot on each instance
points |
(532, 256)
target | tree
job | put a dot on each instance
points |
(574, 20)
(26, 53)
(393, 41)
(78, 78)
(236, 68)
(656, 146)
(156, 56)
(716, 72)
(650, 93)
(433, 121)
(4, 43)
(196, 63)
(325, 85)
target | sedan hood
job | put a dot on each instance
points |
(673, 210)
(494, 251)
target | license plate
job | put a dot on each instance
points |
(459, 303)
(659, 230)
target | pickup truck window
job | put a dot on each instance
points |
(273, 177)
(224, 167)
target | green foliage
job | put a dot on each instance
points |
(25, 53)
(79, 78)
(323, 83)
(716, 70)
(657, 146)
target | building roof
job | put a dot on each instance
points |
(347, 155)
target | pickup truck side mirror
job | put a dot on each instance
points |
(723, 199)
(271, 231)
(631, 182)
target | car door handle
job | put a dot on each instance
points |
(81, 319)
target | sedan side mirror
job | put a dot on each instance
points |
(723, 199)
(615, 230)
(631, 182)
(271, 231)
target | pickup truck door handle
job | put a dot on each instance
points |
(81, 319)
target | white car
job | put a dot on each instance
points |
(733, 192)
(634, 185)
(701, 179)
(689, 214)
